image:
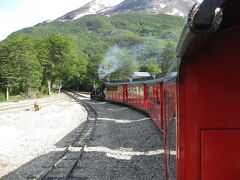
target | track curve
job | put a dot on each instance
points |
(72, 154)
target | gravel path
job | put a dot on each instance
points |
(31, 140)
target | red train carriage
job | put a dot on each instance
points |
(155, 101)
(208, 123)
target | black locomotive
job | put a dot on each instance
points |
(98, 93)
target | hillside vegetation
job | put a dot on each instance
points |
(74, 54)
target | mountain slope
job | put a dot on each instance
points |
(93, 7)
(173, 7)
(94, 34)
(106, 7)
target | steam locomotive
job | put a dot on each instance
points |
(98, 93)
(197, 107)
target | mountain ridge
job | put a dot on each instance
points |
(107, 8)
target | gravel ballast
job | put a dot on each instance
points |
(125, 145)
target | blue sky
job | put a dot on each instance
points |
(18, 14)
(8, 5)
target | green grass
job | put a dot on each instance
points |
(18, 97)
(22, 96)
(2, 98)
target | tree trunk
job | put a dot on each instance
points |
(59, 88)
(77, 87)
(94, 82)
(28, 89)
(49, 86)
(7, 93)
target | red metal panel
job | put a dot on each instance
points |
(160, 92)
(208, 93)
(219, 154)
(125, 93)
(145, 96)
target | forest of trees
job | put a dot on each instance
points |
(72, 55)
(29, 64)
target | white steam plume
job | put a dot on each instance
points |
(112, 62)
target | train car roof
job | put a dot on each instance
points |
(142, 80)
(205, 19)
(123, 83)
(138, 81)
(171, 77)
(154, 81)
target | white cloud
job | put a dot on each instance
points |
(31, 12)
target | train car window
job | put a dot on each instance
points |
(112, 88)
(136, 90)
(130, 91)
(141, 90)
(119, 89)
(158, 95)
(150, 91)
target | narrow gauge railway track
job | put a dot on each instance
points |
(27, 105)
(69, 157)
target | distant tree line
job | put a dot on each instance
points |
(31, 64)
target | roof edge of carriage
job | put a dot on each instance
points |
(171, 77)
(204, 20)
